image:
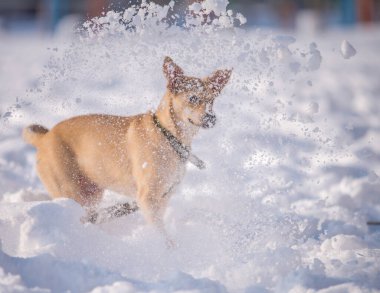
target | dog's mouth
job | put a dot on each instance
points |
(195, 124)
(205, 124)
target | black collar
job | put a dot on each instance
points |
(183, 152)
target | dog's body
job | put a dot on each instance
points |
(82, 156)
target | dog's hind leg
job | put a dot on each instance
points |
(104, 215)
(59, 171)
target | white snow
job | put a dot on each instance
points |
(217, 6)
(315, 57)
(347, 50)
(292, 171)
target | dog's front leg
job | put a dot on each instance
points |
(152, 207)
(153, 204)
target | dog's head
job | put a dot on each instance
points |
(193, 98)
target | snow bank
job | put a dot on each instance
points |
(292, 165)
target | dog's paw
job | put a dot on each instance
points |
(90, 217)
(171, 244)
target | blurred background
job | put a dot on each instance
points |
(45, 15)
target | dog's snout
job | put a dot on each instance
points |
(208, 120)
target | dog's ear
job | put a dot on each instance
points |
(173, 74)
(218, 80)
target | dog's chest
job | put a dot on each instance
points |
(171, 172)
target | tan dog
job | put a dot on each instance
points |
(142, 156)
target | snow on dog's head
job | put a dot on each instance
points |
(192, 98)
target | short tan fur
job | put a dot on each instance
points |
(81, 157)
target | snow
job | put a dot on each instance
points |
(347, 50)
(292, 171)
(216, 6)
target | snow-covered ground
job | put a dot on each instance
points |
(292, 165)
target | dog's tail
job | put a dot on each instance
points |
(33, 133)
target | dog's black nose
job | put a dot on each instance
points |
(208, 120)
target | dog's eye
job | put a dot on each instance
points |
(194, 100)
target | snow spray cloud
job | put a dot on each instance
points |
(150, 18)
(115, 63)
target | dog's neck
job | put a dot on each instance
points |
(165, 113)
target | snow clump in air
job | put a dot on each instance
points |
(217, 6)
(347, 50)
